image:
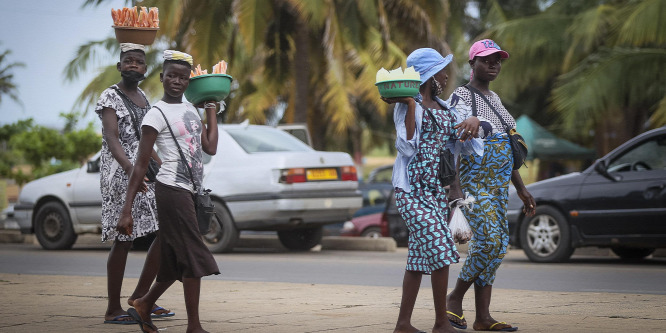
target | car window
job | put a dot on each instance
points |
(266, 139)
(649, 155)
(381, 175)
(373, 197)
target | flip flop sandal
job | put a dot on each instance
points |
(454, 323)
(503, 329)
(117, 320)
(160, 315)
(132, 312)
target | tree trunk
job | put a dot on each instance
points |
(301, 72)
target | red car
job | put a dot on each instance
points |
(370, 220)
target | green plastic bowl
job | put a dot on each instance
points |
(398, 88)
(208, 87)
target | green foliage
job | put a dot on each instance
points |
(44, 150)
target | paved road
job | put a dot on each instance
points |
(582, 274)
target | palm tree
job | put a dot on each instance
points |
(7, 86)
(317, 58)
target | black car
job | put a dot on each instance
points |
(618, 202)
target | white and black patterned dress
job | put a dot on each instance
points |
(114, 181)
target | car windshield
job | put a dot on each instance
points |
(649, 155)
(266, 139)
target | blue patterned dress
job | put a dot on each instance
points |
(487, 179)
(425, 209)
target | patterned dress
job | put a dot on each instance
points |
(425, 208)
(114, 181)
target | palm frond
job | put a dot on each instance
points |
(88, 97)
(644, 24)
(538, 42)
(601, 83)
(659, 116)
(252, 17)
(89, 55)
(589, 30)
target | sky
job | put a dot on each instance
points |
(45, 35)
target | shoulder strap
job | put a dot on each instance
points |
(434, 120)
(476, 91)
(182, 156)
(474, 113)
(131, 111)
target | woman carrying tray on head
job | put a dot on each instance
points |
(121, 109)
(172, 124)
(424, 125)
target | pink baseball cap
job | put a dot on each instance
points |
(486, 47)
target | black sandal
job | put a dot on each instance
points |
(134, 314)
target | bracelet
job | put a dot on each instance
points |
(210, 105)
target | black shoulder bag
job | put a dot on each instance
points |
(205, 209)
(447, 166)
(518, 145)
(153, 166)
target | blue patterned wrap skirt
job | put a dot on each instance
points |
(487, 178)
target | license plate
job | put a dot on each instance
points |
(322, 174)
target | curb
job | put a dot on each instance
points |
(385, 244)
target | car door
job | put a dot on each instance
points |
(633, 204)
(87, 197)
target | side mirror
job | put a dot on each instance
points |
(93, 166)
(601, 168)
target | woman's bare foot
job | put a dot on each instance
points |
(444, 328)
(455, 312)
(198, 330)
(156, 311)
(406, 328)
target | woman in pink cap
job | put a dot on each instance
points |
(486, 178)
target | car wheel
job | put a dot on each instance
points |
(372, 232)
(53, 227)
(545, 237)
(628, 253)
(223, 235)
(301, 239)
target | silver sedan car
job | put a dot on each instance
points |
(262, 178)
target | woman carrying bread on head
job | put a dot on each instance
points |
(170, 124)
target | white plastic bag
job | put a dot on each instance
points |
(458, 225)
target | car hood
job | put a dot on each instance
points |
(544, 189)
(38, 187)
(564, 180)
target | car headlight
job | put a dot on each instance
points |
(348, 226)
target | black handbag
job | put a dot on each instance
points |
(203, 204)
(153, 166)
(518, 144)
(446, 172)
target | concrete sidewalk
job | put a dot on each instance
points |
(41, 303)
